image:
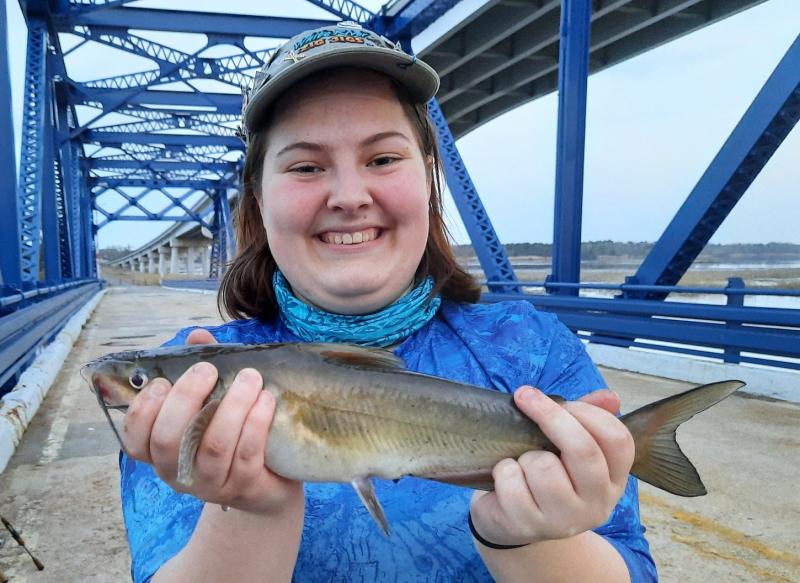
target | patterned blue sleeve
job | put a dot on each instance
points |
(158, 520)
(570, 372)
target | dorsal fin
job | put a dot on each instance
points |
(352, 355)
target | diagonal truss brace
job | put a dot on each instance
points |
(762, 129)
(490, 251)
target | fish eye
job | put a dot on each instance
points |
(138, 379)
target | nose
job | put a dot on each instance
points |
(349, 192)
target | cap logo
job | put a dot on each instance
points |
(338, 35)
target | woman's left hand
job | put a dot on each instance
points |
(541, 496)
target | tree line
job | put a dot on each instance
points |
(592, 250)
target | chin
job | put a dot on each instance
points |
(353, 299)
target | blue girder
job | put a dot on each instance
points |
(572, 88)
(765, 124)
(412, 18)
(488, 248)
(10, 265)
(235, 25)
(29, 185)
(345, 9)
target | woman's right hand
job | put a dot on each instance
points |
(229, 468)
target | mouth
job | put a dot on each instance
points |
(350, 238)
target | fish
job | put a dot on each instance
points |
(346, 413)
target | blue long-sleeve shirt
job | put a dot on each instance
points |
(498, 346)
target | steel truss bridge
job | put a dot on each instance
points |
(159, 133)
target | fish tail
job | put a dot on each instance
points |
(659, 460)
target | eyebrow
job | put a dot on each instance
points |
(319, 147)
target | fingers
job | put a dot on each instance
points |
(613, 438)
(216, 451)
(514, 496)
(200, 336)
(141, 415)
(581, 456)
(185, 399)
(253, 439)
(605, 399)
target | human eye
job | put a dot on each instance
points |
(305, 168)
(384, 160)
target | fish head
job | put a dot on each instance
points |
(117, 378)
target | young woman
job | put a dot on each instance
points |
(341, 239)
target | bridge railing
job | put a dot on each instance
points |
(32, 318)
(730, 332)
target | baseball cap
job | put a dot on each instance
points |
(340, 45)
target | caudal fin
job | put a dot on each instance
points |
(659, 460)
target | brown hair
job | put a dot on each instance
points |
(246, 288)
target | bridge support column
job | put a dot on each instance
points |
(206, 260)
(173, 258)
(143, 264)
(191, 259)
(152, 260)
(162, 266)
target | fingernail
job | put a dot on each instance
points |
(203, 369)
(529, 393)
(157, 389)
(248, 375)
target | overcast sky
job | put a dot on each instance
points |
(653, 125)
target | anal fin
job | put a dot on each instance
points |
(366, 491)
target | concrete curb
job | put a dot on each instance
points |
(761, 381)
(18, 407)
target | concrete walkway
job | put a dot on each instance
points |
(60, 489)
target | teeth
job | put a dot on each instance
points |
(350, 238)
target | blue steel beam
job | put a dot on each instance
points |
(762, 129)
(10, 264)
(345, 9)
(412, 18)
(159, 166)
(572, 89)
(29, 186)
(221, 102)
(186, 21)
(49, 195)
(488, 248)
(200, 184)
(115, 138)
(78, 214)
(174, 65)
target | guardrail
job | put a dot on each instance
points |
(731, 332)
(32, 318)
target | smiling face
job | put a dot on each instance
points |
(345, 192)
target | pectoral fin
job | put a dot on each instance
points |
(366, 491)
(191, 441)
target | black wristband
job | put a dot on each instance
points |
(485, 542)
